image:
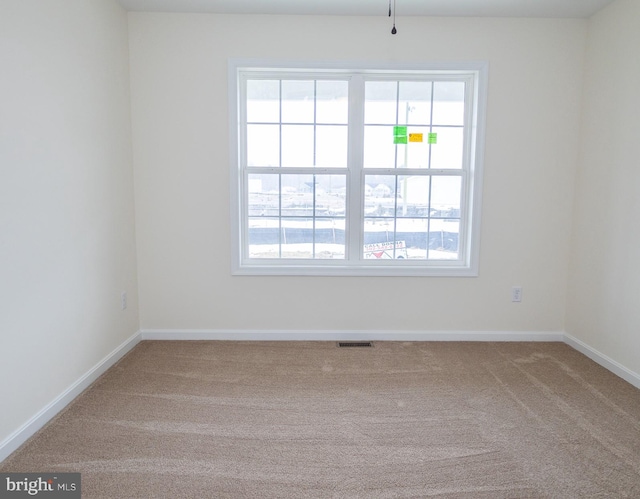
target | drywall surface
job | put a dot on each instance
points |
(67, 241)
(181, 162)
(604, 281)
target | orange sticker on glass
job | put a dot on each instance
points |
(415, 137)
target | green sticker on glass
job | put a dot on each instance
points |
(433, 138)
(400, 139)
(399, 130)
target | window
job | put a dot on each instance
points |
(366, 171)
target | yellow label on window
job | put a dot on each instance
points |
(415, 137)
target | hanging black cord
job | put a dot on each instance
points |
(393, 30)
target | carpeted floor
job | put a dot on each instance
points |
(308, 419)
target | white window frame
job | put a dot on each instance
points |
(476, 73)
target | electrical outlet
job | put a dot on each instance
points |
(516, 294)
(123, 300)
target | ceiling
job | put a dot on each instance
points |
(482, 8)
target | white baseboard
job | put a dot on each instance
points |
(338, 335)
(20, 436)
(606, 362)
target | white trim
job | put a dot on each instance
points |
(235, 174)
(334, 66)
(608, 363)
(48, 412)
(474, 205)
(336, 335)
(324, 268)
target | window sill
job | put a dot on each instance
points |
(294, 269)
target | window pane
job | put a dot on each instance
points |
(444, 239)
(376, 232)
(264, 195)
(445, 196)
(448, 103)
(379, 147)
(263, 101)
(332, 104)
(297, 145)
(297, 101)
(297, 195)
(379, 195)
(413, 196)
(264, 237)
(331, 146)
(263, 145)
(412, 233)
(447, 152)
(297, 238)
(298, 206)
(380, 106)
(330, 238)
(415, 103)
(331, 195)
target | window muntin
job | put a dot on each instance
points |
(296, 123)
(296, 216)
(326, 185)
(420, 213)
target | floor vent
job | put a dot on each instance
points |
(342, 344)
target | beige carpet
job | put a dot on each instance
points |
(308, 419)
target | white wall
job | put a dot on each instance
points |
(67, 242)
(180, 136)
(603, 308)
